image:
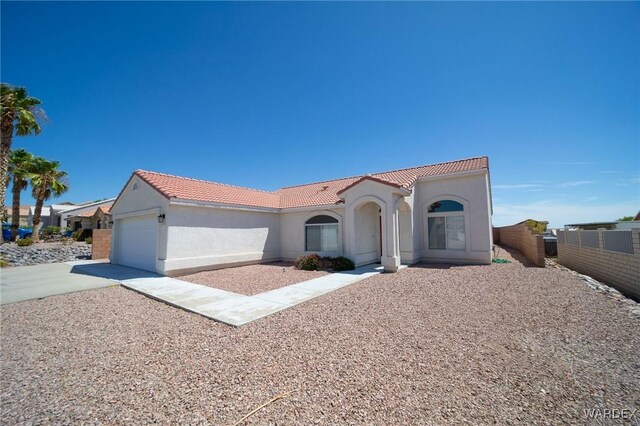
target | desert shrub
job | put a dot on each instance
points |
(535, 226)
(74, 235)
(342, 263)
(313, 262)
(66, 240)
(88, 240)
(309, 262)
(3, 263)
(24, 242)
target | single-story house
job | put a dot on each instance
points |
(50, 215)
(434, 213)
(98, 218)
(80, 210)
(24, 215)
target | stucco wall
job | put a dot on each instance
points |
(139, 201)
(292, 229)
(619, 270)
(205, 237)
(473, 192)
(521, 238)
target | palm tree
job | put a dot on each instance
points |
(20, 170)
(47, 180)
(19, 114)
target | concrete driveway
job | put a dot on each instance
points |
(38, 281)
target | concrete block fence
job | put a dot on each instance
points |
(612, 257)
(101, 246)
(520, 237)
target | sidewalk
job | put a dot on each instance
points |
(224, 306)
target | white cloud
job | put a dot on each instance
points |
(517, 186)
(559, 213)
(577, 183)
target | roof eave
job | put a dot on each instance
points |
(182, 202)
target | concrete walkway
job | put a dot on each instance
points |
(224, 306)
(35, 282)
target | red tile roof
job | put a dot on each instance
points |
(201, 190)
(313, 194)
(89, 213)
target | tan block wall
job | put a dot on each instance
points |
(521, 238)
(619, 270)
(101, 246)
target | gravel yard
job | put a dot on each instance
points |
(253, 279)
(431, 344)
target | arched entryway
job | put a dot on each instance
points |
(368, 229)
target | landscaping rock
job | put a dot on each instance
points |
(39, 253)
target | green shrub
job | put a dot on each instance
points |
(3, 263)
(66, 240)
(25, 242)
(313, 262)
(74, 235)
(88, 240)
(535, 226)
(50, 230)
(342, 263)
(310, 262)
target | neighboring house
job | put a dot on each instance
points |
(45, 216)
(77, 211)
(435, 213)
(93, 219)
(24, 215)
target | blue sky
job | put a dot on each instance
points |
(267, 95)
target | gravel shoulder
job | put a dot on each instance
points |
(253, 279)
(432, 344)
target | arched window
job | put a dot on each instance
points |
(446, 226)
(321, 234)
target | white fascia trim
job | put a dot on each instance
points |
(97, 203)
(454, 175)
(154, 211)
(310, 208)
(192, 203)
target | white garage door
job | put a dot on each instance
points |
(137, 239)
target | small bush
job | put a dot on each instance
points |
(66, 240)
(74, 235)
(310, 262)
(535, 226)
(342, 263)
(25, 242)
(50, 230)
(3, 263)
(88, 240)
(313, 262)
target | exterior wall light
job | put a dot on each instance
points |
(161, 218)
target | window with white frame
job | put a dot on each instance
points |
(321, 233)
(445, 221)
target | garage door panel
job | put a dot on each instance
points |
(137, 242)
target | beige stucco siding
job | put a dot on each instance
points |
(470, 190)
(292, 231)
(200, 237)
